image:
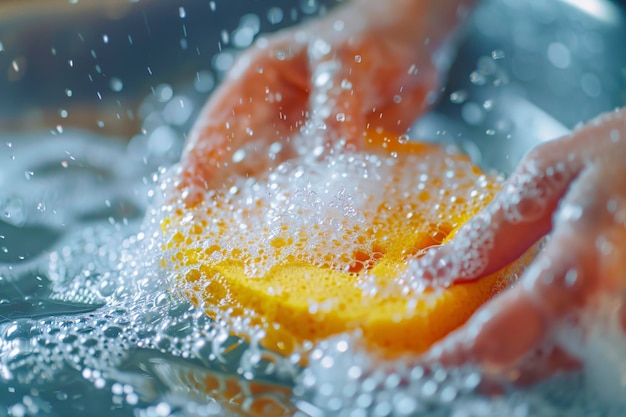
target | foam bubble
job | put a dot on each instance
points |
(321, 211)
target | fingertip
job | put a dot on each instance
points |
(496, 338)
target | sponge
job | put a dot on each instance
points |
(292, 255)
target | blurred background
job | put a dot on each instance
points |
(97, 59)
(525, 70)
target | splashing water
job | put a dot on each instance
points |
(87, 318)
(89, 324)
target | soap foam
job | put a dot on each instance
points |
(321, 211)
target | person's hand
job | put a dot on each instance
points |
(573, 189)
(366, 65)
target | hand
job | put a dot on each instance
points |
(318, 86)
(573, 189)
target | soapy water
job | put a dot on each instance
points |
(321, 212)
(90, 324)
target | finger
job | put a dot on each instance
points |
(537, 366)
(503, 336)
(494, 338)
(541, 364)
(562, 280)
(522, 212)
(414, 87)
(260, 102)
(402, 108)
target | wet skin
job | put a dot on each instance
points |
(371, 68)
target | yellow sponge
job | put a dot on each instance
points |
(291, 252)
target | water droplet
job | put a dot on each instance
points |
(116, 84)
(204, 81)
(497, 54)
(178, 111)
(275, 15)
(559, 55)
(309, 6)
(164, 92)
(472, 113)
(591, 85)
(319, 48)
(17, 410)
(458, 97)
(477, 78)
(224, 61)
(182, 13)
(239, 155)
(243, 37)
(403, 139)
(162, 140)
(339, 25)
(571, 276)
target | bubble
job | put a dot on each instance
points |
(309, 6)
(239, 156)
(18, 410)
(559, 55)
(162, 140)
(591, 85)
(251, 21)
(497, 54)
(275, 15)
(164, 92)
(178, 110)
(458, 97)
(223, 61)
(477, 78)
(116, 84)
(204, 81)
(243, 37)
(472, 113)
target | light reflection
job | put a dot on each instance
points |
(599, 9)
